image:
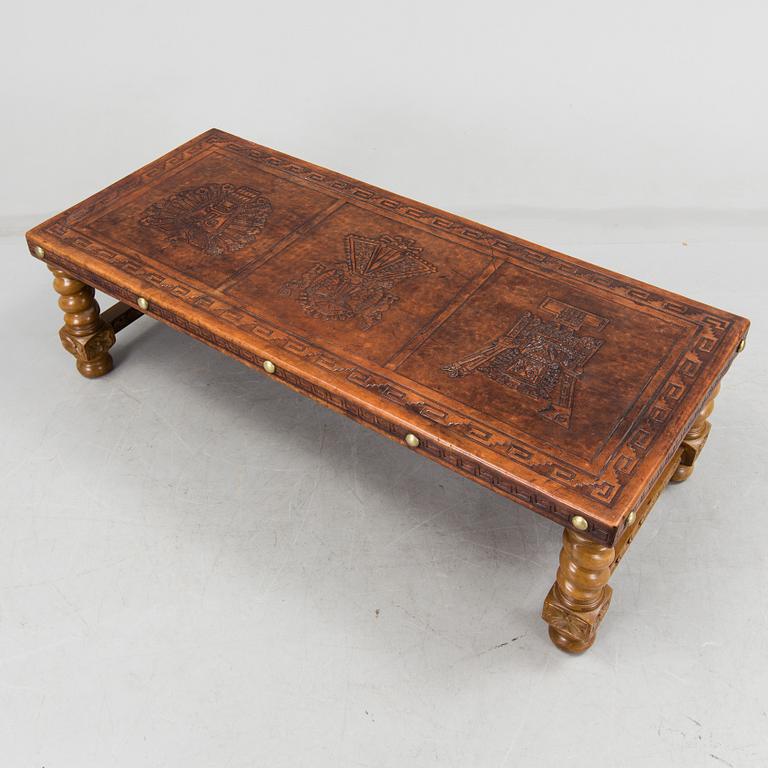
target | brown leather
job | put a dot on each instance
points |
(561, 385)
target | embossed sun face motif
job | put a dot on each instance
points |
(216, 218)
(361, 286)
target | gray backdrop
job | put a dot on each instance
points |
(200, 568)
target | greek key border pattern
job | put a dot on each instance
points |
(605, 489)
(476, 236)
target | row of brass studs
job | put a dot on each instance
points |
(577, 521)
(580, 523)
(410, 439)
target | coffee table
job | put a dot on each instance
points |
(571, 390)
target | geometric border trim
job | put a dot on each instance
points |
(605, 490)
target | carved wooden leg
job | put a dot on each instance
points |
(580, 596)
(84, 334)
(694, 440)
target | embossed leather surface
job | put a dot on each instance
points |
(557, 383)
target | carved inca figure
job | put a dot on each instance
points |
(541, 358)
(216, 218)
(360, 287)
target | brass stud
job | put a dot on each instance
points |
(269, 366)
(39, 252)
(631, 517)
(143, 303)
(579, 523)
(411, 440)
(742, 344)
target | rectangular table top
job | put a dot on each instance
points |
(562, 385)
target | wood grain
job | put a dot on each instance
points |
(84, 334)
(695, 439)
(580, 596)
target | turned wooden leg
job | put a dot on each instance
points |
(694, 440)
(84, 334)
(580, 596)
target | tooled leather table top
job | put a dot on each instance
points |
(557, 383)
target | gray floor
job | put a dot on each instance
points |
(200, 568)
